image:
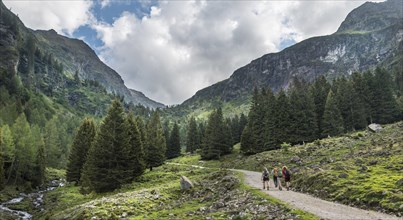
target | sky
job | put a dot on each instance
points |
(171, 49)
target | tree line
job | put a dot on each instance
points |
(311, 111)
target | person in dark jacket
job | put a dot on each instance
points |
(287, 177)
(265, 178)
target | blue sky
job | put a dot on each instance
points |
(171, 49)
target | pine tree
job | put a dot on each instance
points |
(142, 130)
(304, 126)
(106, 166)
(24, 149)
(332, 120)
(385, 108)
(2, 174)
(53, 145)
(282, 119)
(192, 136)
(360, 85)
(79, 150)
(156, 144)
(136, 150)
(256, 124)
(247, 140)
(243, 121)
(270, 139)
(217, 140)
(40, 164)
(165, 127)
(319, 90)
(174, 147)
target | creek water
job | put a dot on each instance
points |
(37, 201)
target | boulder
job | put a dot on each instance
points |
(400, 182)
(295, 159)
(185, 183)
(343, 175)
(375, 127)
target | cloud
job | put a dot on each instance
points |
(184, 46)
(63, 16)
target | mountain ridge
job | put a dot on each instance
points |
(353, 47)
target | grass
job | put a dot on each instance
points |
(360, 168)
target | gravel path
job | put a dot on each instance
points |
(323, 209)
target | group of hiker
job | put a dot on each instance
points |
(277, 175)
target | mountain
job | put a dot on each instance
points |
(370, 36)
(77, 56)
(28, 52)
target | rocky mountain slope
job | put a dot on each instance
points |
(28, 52)
(77, 56)
(370, 36)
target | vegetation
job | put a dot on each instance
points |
(361, 168)
(305, 115)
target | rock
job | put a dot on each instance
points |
(294, 170)
(373, 162)
(375, 127)
(400, 182)
(185, 183)
(343, 175)
(295, 159)
(358, 162)
(363, 169)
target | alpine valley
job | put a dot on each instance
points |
(76, 143)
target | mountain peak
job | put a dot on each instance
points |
(373, 16)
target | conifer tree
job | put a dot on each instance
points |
(243, 121)
(79, 150)
(217, 140)
(165, 127)
(270, 139)
(247, 140)
(174, 147)
(282, 119)
(256, 124)
(7, 145)
(2, 174)
(142, 129)
(332, 120)
(303, 116)
(40, 164)
(135, 152)
(319, 90)
(156, 144)
(385, 106)
(106, 166)
(24, 150)
(360, 85)
(192, 136)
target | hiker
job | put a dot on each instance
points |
(277, 182)
(265, 178)
(287, 177)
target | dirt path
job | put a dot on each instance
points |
(321, 208)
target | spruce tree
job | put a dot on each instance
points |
(106, 166)
(243, 121)
(332, 121)
(135, 152)
(247, 140)
(282, 119)
(174, 147)
(360, 85)
(156, 144)
(319, 90)
(217, 141)
(2, 174)
(40, 164)
(385, 108)
(192, 136)
(142, 128)
(304, 126)
(256, 124)
(79, 150)
(270, 139)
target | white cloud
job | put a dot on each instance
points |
(63, 16)
(184, 46)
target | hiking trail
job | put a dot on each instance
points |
(321, 208)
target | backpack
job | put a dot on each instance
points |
(265, 174)
(275, 173)
(287, 174)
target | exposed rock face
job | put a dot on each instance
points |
(370, 36)
(375, 127)
(78, 56)
(185, 183)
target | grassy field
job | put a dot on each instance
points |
(218, 194)
(363, 169)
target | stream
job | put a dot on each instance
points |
(37, 200)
